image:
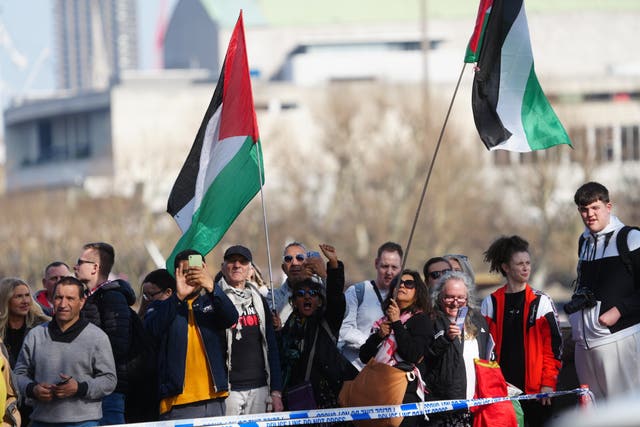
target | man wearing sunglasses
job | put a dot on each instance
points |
(364, 302)
(297, 265)
(107, 306)
(435, 268)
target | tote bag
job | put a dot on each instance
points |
(376, 384)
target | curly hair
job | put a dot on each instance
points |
(501, 251)
(423, 298)
(34, 317)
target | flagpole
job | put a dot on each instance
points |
(266, 229)
(433, 160)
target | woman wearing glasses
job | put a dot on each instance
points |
(404, 332)
(524, 325)
(312, 367)
(156, 286)
(461, 335)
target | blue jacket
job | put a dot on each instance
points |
(167, 322)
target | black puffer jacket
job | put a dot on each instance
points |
(108, 308)
(446, 376)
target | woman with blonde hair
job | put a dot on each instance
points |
(18, 314)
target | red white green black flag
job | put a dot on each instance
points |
(222, 171)
(510, 110)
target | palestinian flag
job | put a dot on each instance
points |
(222, 171)
(509, 108)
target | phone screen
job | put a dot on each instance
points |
(462, 313)
(312, 254)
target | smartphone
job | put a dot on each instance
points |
(195, 260)
(312, 254)
(462, 313)
(64, 381)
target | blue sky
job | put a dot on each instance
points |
(29, 24)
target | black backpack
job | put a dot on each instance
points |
(622, 245)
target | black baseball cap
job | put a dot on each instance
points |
(238, 250)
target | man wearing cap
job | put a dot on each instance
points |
(252, 349)
(189, 327)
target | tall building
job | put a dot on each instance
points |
(95, 40)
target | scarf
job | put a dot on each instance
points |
(241, 299)
(387, 354)
(387, 350)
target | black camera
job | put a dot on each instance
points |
(582, 298)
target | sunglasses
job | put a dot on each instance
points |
(311, 292)
(456, 256)
(409, 283)
(289, 258)
(81, 261)
(437, 274)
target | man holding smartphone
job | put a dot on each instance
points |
(66, 366)
(189, 327)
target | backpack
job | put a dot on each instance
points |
(622, 246)
(359, 287)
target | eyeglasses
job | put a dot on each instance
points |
(289, 258)
(409, 283)
(311, 292)
(448, 298)
(81, 261)
(437, 274)
(149, 296)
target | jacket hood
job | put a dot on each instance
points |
(123, 287)
(614, 224)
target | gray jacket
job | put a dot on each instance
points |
(82, 351)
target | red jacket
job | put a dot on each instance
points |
(542, 338)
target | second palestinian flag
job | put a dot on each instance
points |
(510, 110)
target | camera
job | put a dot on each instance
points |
(582, 298)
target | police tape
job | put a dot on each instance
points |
(335, 415)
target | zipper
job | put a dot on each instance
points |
(206, 355)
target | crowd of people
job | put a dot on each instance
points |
(225, 344)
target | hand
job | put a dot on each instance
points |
(314, 265)
(546, 401)
(42, 392)
(454, 331)
(200, 277)
(330, 252)
(393, 311)
(277, 323)
(183, 290)
(67, 387)
(385, 330)
(276, 403)
(610, 317)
